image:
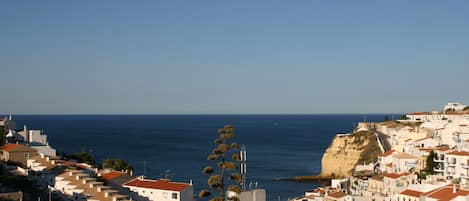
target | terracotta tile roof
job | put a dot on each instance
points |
(426, 149)
(395, 175)
(423, 139)
(420, 113)
(446, 193)
(111, 175)
(158, 184)
(337, 194)
(442, 148)
(459, 153)
(404, 155)
(412, 193)
(387, 153)
(10, 147)
(389, 165)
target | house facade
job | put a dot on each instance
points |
(159, 190)
(17, 153)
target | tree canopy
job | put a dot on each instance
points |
(117, 165)
(82, 157)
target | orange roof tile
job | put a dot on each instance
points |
(10, 147)
(111, 175)
(423, 139)
(446, 193)
(387, 153)
(158, 184)
(337, 194)
(420, 113)
(395, 175)
(411, 193)
(426, 149)
(459, 153)
(389, 165)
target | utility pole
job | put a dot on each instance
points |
(242, 154)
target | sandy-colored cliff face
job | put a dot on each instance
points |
(345, 152)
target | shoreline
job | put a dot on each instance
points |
(317, 178)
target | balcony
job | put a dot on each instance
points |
(465, 165)
(439, 169)
(451, 164)
(439, 159)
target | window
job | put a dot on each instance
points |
(174, 195)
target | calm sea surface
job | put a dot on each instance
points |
(278, 146)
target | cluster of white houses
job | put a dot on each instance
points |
(29, 151)
(401, 174)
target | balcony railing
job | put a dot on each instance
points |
(439, 160)
(439, 169)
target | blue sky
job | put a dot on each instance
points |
(225, 57)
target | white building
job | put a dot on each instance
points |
(8, 123)
(454, 107)
(76, 185)
(159, 190)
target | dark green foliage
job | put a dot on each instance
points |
(371, 150)
(204, 193)
(235, 177)
(430, 163)
(234, 188)
(225, 157)
(2, 136)
(82, 157)
(117, 165)
(404, 117)
(208, 170)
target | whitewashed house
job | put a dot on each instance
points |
(159, 190)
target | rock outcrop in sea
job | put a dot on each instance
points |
(347, 151)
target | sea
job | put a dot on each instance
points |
(176, 146)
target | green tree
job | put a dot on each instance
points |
(82, 157)
(430, 163)
(2, 136)
(225, 156)
(117, 165)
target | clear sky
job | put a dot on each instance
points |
(199, 57)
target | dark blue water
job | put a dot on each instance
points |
(278, 146)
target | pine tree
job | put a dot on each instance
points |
(226, 157)
(430, 163)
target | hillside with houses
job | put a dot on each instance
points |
(31, 170)
(426, 157)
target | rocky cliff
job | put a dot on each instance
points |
(345, 152)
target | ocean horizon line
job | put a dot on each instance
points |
(196, 114)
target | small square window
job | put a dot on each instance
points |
(174, 195)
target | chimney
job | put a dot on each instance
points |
(454, 188)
